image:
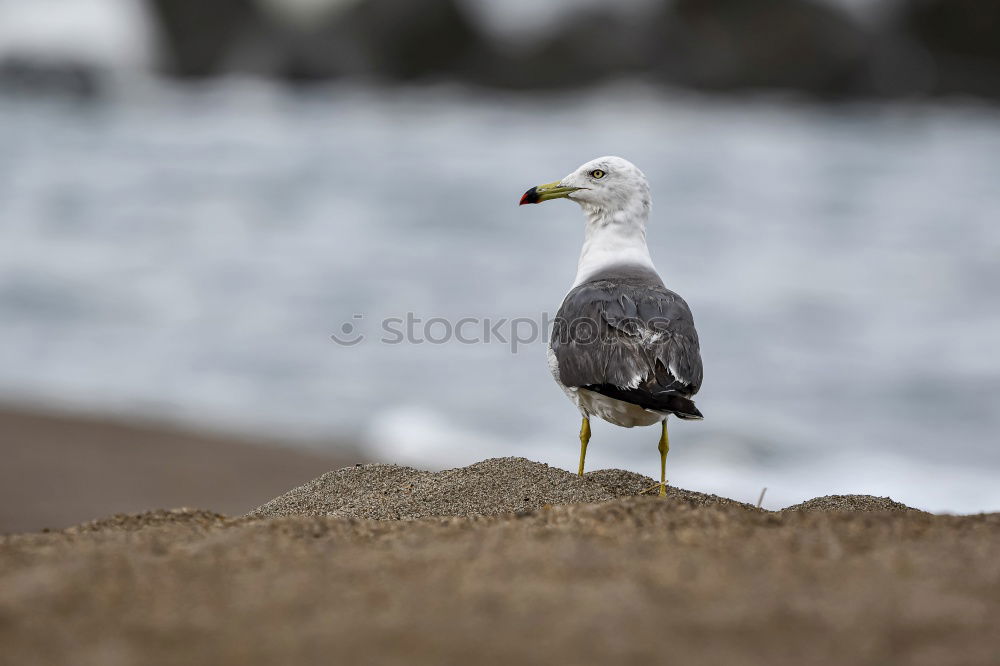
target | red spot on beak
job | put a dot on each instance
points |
(529, 197)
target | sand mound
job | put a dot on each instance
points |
(492, 487)
(157, 518)
(636, 580)
(850, 503)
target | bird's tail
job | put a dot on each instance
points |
(666, 401)
(682, 408)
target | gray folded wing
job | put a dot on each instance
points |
(632, 339)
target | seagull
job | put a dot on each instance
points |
(623, 346)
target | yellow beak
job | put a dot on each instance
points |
(541, 193)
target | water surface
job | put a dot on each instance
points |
(187, 254)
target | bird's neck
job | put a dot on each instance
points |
(613, 240)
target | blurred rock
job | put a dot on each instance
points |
(404, 39)
(781, 44)
(200, 37)
(394, 40)
(589, 47)
(27, 76)
(961, 39)
(913, 47)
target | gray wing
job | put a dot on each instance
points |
(630, 340)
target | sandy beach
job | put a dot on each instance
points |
(59, 469)
(505, 561)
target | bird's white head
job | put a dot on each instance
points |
(614, 196)
(608, 185)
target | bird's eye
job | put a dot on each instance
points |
(597, 173)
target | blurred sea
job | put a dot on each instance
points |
(186, 254)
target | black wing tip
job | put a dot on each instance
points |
(684, 408)
(679, 406)
(694, 415)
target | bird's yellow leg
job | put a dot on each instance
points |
(664, 448)
(584, 440)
